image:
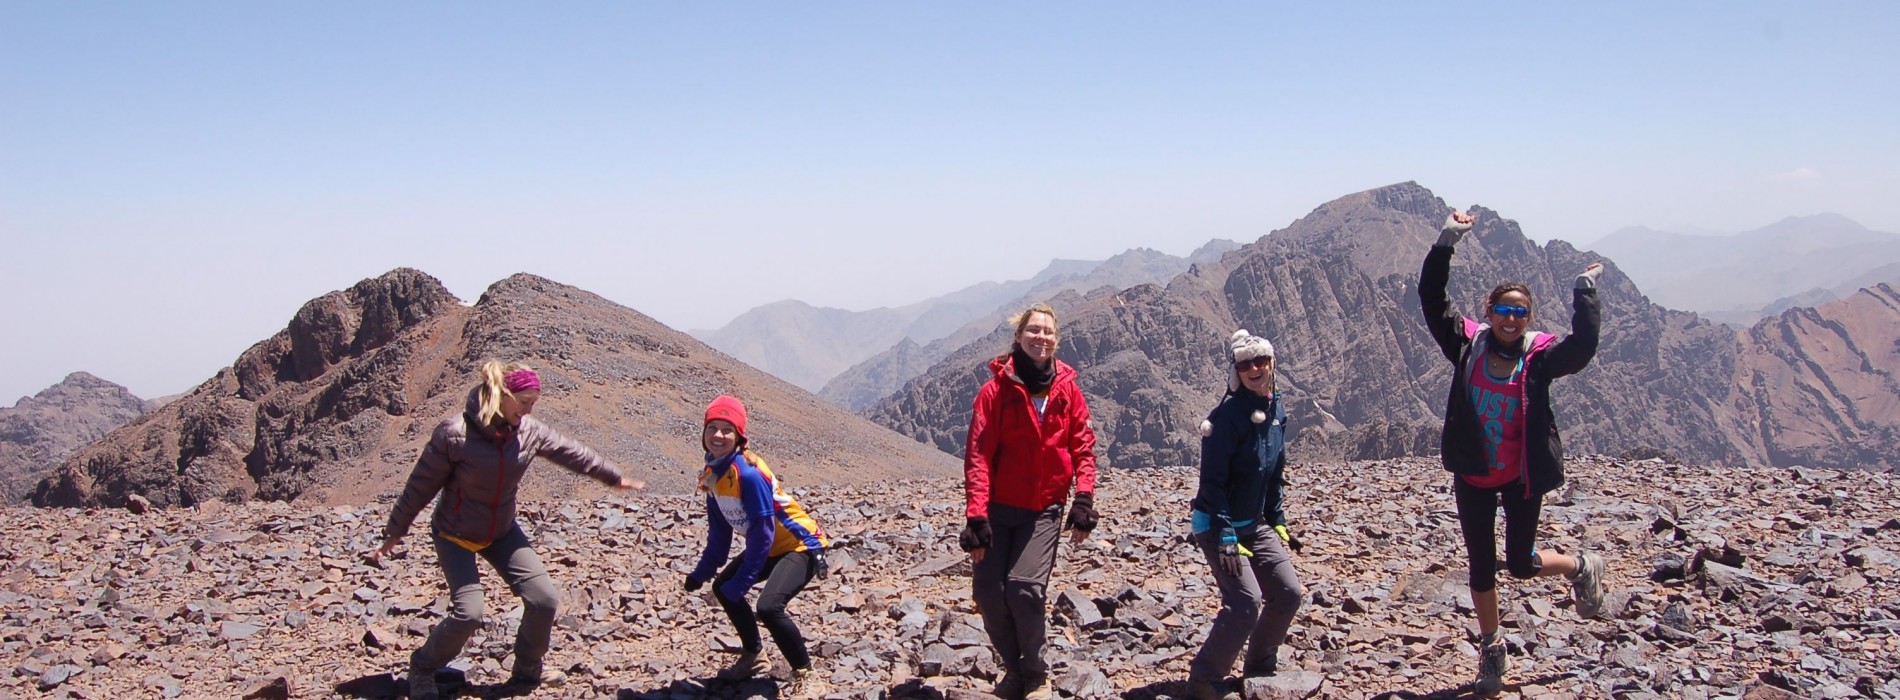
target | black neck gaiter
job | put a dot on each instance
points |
(1035, 378)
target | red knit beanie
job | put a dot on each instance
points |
(730, 410)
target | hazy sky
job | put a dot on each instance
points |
(177, 178)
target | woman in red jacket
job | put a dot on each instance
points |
(1030, 441)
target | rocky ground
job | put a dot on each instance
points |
(1729, 583)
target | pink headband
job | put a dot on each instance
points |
(521, 380)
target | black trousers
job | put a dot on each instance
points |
(785, 576)
(1478, 519)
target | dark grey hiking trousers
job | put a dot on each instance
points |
(1256, 607)
(514, 558)
(1011, 584)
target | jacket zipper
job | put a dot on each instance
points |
(501, 475)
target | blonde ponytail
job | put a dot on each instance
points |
(494, 378)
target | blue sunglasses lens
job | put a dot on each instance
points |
(1510, 311)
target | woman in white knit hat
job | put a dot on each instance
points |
(1240, 525)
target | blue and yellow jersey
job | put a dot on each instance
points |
(742, 495)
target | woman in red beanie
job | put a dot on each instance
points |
(784, 547)
(1030, 441)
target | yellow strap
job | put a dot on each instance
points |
(1244, 551)
(465, 544)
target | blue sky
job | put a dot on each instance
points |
(177, 178)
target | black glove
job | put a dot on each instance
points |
(819, 566)
(976, 534)
(693, 584)
(1229, 560)
(1082, 512)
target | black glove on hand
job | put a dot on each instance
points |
(819, 566)
(693, 584)
(976, 534)
(1453, 230)
(1082, 512)
(1229, 560)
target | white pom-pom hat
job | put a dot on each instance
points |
(1244, 346)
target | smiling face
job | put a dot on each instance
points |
(1256, 374)
(514, 405)
(1037, 337)
(1510, 326)
(720, 438)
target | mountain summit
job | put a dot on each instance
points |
(336, 407)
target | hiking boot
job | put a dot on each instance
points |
(750, 664)
(1038, 688)
(1493, 663)
(1257, 669)
(422, 684)
(528, 676)
(1206, 689)
(1010, 687)
(1586, 585)
(804, 684)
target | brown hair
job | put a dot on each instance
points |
(494, 376)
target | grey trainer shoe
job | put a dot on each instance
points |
(1586, 585)
(1493, 663)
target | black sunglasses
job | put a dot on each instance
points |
(1255, 363)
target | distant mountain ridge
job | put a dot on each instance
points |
(809, 346)
(1336, 293)
(41, 430)
(1798, 261)
(336, 407)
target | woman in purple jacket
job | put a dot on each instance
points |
(1500, 438)
(475, 461)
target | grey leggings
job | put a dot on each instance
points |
(513, 557)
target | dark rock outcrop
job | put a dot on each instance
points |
(336, 406)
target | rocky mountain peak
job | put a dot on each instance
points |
(41, 430)
(335, 407)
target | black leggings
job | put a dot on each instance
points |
(784, 575)
(1477, 517)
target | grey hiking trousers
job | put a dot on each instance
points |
(514, 558)
(1256, 607)
(1011, 584)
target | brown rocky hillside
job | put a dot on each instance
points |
(1336, 293)
(41, 430)
(335, 407)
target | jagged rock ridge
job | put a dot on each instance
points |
(337, 406)
(1336, 292)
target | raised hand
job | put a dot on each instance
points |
(1588, 278)
(1456, 226)
(625, 484)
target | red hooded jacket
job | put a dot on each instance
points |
(1017, 459)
